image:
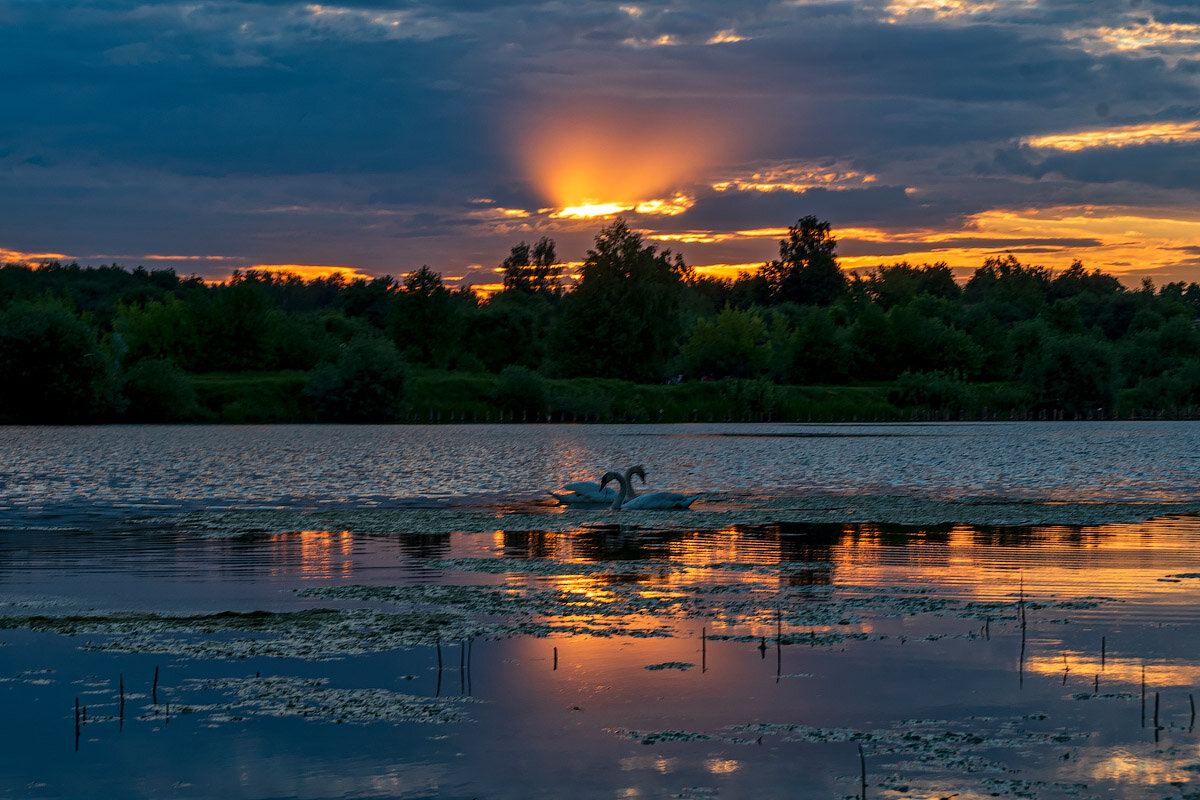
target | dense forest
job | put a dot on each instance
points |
(638, 336)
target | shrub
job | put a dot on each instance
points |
(945, 391)
(158, 391)
(366, 383)
(520, 390)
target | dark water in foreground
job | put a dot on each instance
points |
(588, 654)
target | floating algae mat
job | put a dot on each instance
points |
(786, 658)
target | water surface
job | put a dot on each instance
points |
(455, 636)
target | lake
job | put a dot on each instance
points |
(971, 610)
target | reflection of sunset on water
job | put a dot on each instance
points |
(314, 555)
(1122, 670)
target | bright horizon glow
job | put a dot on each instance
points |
(310, 272)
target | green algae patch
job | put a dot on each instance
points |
(679, 665)
(312, 699)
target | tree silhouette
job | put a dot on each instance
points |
(534, 270)
(623, 318)
(807, 270)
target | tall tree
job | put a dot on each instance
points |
(424, 320)
(623, 318)
(534, 270)
(806, 271)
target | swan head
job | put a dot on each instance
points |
(610, 476)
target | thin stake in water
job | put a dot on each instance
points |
(862, 762)
(1192, 703)
(1143, 694)
(556, 658)
(154, 687)
(1156, 716)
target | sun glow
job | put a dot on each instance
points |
(608, 159)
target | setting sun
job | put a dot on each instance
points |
(605, 160)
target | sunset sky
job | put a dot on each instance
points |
(380, 136)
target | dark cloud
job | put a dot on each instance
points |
(284, 131)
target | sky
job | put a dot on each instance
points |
(377, 137)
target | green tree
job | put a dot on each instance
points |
(813, 351)
(53, 366)
(1008, 289)
(1074, 373)
(622, 319)
(366, 383)
(423, 324)
(733, 344)
(521, 391)
(158, 329)
(806, 271)
(157, 390)
(510, 328)
(234, 325)
(901, 283)
(534, 270)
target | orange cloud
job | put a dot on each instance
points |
(1127, 243)
(312, 271)
(1121, 136)
(19, 257)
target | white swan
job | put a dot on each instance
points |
(589, 494)
(651, 501)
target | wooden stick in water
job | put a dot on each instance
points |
(1143, 694)
(862, 762)
(1192, 703)
(556, 658)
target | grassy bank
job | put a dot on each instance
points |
(435, 396)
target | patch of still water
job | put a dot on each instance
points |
(781, 659)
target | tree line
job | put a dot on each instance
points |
(84, 344)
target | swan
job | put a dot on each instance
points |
(651, 501)
(586, 493)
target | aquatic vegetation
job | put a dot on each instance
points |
(313, 699)
(679, 665)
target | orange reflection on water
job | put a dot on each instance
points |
(1120, 670)
(1124, 563)
(1127, 767)
(314, 555)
